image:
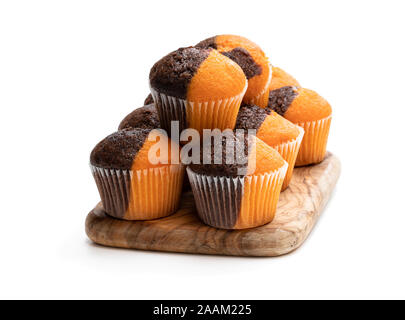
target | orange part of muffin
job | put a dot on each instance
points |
(141, 160)
(155, 192)
(220, 114)
(276, 130)
(263, 158)
(280, 78)
(218, 77)
(313, 147)
(259, 82)
(308, 106)
(285, 137)
(261, 194)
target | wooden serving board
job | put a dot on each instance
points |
(298, 210)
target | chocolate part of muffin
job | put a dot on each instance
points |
(243, 58)
(145, 117)
(118, 150)
(148, 100)
(281, 99)
(239, 165)
(172, 74)
(251, 117)
(169, 112)
(208, 43)
(114, 191)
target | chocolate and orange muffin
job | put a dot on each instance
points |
(251, 58)
(200, 88)
(310, 111)
(240, 191)
(133, 183)
(280, 79)
(276, 131)
(145, 117)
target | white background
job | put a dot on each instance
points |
(71, 70)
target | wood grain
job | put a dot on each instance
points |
(297, 212)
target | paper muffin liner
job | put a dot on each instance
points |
(262, 99)
(217, 114)
(289, 151)
(313, 146)
(237, 203)
(141, 194)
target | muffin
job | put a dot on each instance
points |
(309, 110)
(132, 182)
(274, 130)
(251, 59)
(280, 79)
(237, 194)
(200, 88)
(145, 117)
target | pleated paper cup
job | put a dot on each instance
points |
(289, 151)
(141, 194)
(262, 99)
(237, 202)
(313, 146)
(216, 114)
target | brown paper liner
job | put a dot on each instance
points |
(142, 194)
(237, 203)
(289, 152)
(313, 146)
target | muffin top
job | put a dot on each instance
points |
(118, 150)
(280, 78)
(145, 117)
(248, 55)
(280, 99)
(197, 74)
(172, 74)
(215, 159)
(232, 155)
(251, 117)
(299, 105)
(266, 159)
(128, 149)
(270, 127)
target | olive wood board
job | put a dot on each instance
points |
(299, 208)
